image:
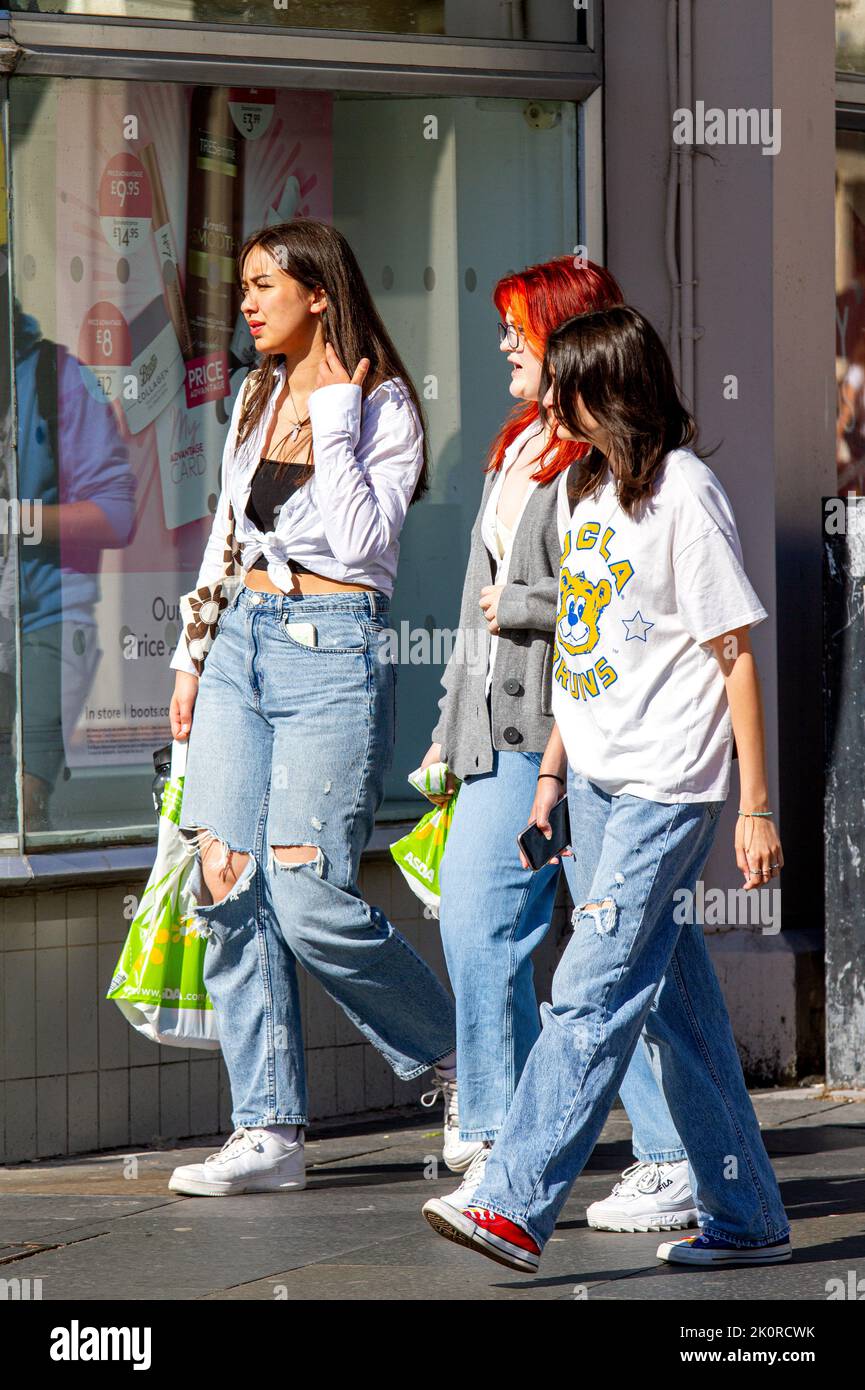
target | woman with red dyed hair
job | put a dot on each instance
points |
(495, 720)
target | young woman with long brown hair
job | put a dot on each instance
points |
(292, 720)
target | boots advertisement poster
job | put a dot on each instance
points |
(151, 211)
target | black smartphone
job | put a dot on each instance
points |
(535, 845)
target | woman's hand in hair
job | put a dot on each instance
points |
(489, 603)
(182, 703)
(331, 372)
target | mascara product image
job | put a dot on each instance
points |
(166, 252)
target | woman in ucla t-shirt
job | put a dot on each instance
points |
(653, 672)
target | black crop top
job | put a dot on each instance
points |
(272, 485)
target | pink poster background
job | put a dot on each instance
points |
(91, 119)
(116, 712)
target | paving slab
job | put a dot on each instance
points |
(105, 1227)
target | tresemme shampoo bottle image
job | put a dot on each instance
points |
(214, 230)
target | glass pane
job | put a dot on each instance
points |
(850, 35)
(541, 21)
(10, 519)
(435, 224)
(850, 310)
(126, 303)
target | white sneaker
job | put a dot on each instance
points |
(650, 1197)
(462, 1196)
(457, 1153)
(252, 1160)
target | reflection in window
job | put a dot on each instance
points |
(130, 200)
(541, 21)
(77, 500)
(850, 310)
(8, 547)
(850, 35)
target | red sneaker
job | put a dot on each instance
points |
(479, 1229)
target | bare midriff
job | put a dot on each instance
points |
(303, 584)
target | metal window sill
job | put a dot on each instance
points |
(112, 863)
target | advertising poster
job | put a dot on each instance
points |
(157, 187)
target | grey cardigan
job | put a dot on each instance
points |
(519, 715)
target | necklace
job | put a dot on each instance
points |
(295, 431)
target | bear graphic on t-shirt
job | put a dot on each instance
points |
(581, 604)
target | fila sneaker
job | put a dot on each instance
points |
(650, 1197)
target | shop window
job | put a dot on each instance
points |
(533, 21)
(850, 308)
(8, 547)
(850, 35)
(439, 197)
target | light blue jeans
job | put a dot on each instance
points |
(629, 964)
(289, 746)
(494, 913)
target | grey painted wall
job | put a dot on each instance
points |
(764, 256)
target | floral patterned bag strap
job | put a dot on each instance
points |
(233, 550)
(200, 609)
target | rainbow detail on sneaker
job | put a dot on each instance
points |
(712, 1250)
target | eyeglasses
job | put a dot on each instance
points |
(513, 335)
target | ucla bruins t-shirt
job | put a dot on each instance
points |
(638, 696)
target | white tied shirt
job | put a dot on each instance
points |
(638, 695)
(491, 532)
(345, 522)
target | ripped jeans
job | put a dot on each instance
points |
(289, 747)
(634, 962)
(494, 914)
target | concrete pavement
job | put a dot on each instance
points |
(105, 1227)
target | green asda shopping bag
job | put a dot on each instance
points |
(419, 854)
(158, 984)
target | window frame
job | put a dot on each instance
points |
(171, 51)
(118, 49)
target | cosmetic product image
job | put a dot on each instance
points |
(166, 252)
(156, 367)
(189, 444)
(213, 238)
